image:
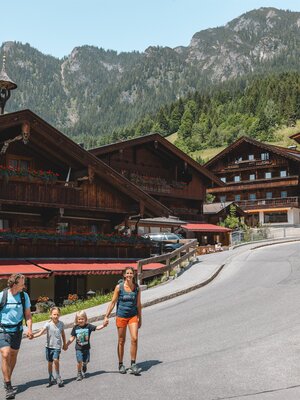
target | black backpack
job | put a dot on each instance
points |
(2, 305)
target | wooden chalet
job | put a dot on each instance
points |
(262, 179)
(162, 170)
(59, 201)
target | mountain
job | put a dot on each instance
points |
(94, 91)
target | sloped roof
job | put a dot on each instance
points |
(50, 139)
(296, 136)
(215, 208)
(165, 143)
(285, 152)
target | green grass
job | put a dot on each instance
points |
(171, 138)
(78, 306)
(207, 154)
(281, 139)
(282, 136)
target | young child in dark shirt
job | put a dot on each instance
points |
(81, 332)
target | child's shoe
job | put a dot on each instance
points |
(51, 381)
(60, 382)
(79, 376)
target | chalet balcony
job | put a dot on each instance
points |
(158, 185)
(39, 245)
(39, 194)
(268, 203)
(253, 163)
(188, 214)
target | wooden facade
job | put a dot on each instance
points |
(57, 200)
(262, 179)
(162, 170)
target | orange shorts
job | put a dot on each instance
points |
(123, 322)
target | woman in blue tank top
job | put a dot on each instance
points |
(129, 313)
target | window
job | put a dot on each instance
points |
(283, 194)
(238, 159)
(62, 228)
(252, 196)
(275, 217)
(4, 223)
(237, 178)
(237, 197)
(22, 164)
(268, 175)
(269, 195)
(222, 199)
(251, 157)
(252, 177)
(283, 173)
(265, 156)
(223, 179)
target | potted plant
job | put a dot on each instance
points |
(72, 299)
(43, 304)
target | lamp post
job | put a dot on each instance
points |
(6, 85)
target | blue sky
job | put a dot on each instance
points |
(57, 26)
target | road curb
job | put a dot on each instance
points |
(184, 291)
(281, 241)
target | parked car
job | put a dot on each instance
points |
(164, 242)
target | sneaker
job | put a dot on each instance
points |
(51, 381)
(134, 369)
(9, 392)
(15, 388)
(84, 367)
(122, 369)
(79, 376)
(59, 381)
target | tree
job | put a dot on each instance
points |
(232, 221)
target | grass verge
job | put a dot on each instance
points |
(78, 306)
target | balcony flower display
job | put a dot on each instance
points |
(34, 173)
(9, 235)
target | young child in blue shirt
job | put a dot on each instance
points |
(81, 332)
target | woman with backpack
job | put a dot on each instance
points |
(127, 296)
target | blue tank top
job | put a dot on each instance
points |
(127, 302)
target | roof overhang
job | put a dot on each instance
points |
(205, 228)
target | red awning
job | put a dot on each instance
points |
(8, 267)
(205, 228)
(89, 267)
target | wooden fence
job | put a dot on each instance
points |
(171, 260)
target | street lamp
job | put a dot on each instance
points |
(6, 85)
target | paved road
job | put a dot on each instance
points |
(237, 338)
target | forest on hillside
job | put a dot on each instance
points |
(253, 107)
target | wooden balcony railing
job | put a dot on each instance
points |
(36, 248)
(269, 203)
(19, 192)
(254, 163)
